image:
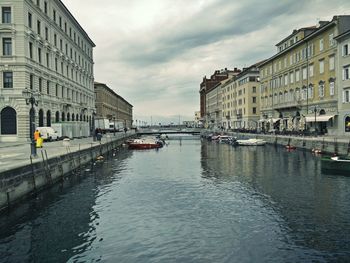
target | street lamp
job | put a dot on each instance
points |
(32, 98)
(315, 111)
(93, 126)
(113, 125)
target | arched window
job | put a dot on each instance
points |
(57, 116)
(41, 118)
(68, 116)
(63, 116)
(48, 118)
(8, 121)
(73, 117)
(81, 117)
(347, 124)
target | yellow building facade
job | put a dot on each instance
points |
(298, 84)
(240, 100)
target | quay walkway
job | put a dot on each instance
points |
(21, 175)
(17, 154)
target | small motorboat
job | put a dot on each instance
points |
(316, 151)
(336, 164)
(251, 142)
(146, 143)
(290, 147)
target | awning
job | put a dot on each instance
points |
(319, 118)
(274, 120)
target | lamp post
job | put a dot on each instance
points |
(113, 125)
(315, 111)
(93, 126)
(32, 98)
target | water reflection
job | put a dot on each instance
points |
(189, 202)
(56, 224)
(313, 207)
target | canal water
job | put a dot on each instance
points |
(190, 201)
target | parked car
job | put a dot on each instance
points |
(48, 133)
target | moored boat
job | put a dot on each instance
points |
(251, 142)
(336, 165)
(145, 143)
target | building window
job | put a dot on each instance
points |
(311, 70)
(47, 60)
(60, 22)
(347, 124)
(40, 85)
(30, 50)
(8, 121)
(331, 88)
(310, 92)
(7, 46)
(291, 76)
(30, 23)
(254, 89)
(31, 81)
(8, 79)
(297, 75)
(254, 99)
(48, 87)
(331, 63)
(321, 90)
(6, 14)
(54, 16)
(39, 27)
(321, 66)
(39, 55)
(304, 73)
(331, 40)
(56, 64)
(46, 33)
(346, 73)
(45, 7)
(56, 90)
(38, 3)
(321, 44)
(346, 96)
(254, 110)
(345, 50)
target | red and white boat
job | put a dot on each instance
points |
(145, 143)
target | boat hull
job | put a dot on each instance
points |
(340, 166)
(144, 146)
(251, 142)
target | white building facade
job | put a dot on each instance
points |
(343, 76)
(44, 51)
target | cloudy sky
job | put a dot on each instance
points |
(154, 53)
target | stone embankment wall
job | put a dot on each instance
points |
(22, 181)
(327, 145)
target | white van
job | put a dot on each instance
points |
(48, 133)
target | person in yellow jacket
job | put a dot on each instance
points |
(36, 135)
(38, 139)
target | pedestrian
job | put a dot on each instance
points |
(36, 135)
(125, 129)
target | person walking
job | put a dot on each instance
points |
(38, 140)
(36, 135)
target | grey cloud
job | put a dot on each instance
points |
(217, 22)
